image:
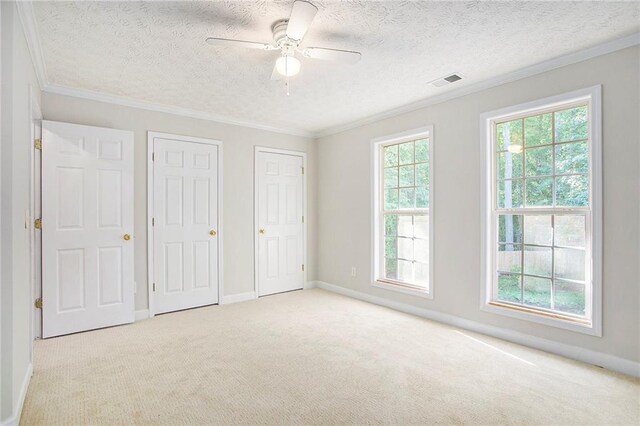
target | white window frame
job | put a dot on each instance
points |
(377, 225)
(593, 304)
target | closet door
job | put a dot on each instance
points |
(185, 224)
(281, 230)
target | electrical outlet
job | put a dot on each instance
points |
(353, 271)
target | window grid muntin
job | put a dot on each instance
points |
(552, 277)
(553, 144)
(422, 211)
(552, 210)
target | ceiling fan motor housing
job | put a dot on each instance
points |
(286, 44)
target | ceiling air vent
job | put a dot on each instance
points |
(443, 81)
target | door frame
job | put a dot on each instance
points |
(35, 191)
(256, 225)
(150, 214)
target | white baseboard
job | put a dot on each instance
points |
(14, 420)
(600, 359)
(236, 298)
(142, 314)
(310, 284)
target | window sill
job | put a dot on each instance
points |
(402, 289)
(550, 319)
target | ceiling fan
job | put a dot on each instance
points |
(287, 36)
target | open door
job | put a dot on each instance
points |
(87, 228)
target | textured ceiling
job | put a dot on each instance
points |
(155, 51)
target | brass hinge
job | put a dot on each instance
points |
(303, 268)
(302, 219)
(38, 144)
(38, 224)
(153, 156)
(153, 221)
(38, 303)
(154, 286)
(302, 169)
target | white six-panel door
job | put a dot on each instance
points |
(87, 228)
(280, 209)
(185, 224)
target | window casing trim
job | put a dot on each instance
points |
(377, 225)
(592, 98)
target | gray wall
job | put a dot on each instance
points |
(18, 75)
(239, 145)
(344, 200)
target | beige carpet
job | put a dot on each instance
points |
(313, 357)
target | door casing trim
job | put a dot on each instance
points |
(256, 225)
(151, 136)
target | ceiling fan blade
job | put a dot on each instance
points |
(335, 55)
(302, 14)
(239, 43)
(275, 75)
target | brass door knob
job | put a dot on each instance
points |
(127, 237)
(262, 231)
(212, 233)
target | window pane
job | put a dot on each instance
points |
(407, 174)
(569, 230)
(510, 258)
(421, 274)
(422, 174)
(571, 124)
(391, 224)
(509, 133)
(510, 228)
(391, 268)
(391, 199)
(405, 226)
(391, 155)
(537, 292)
(537, 130)
(572, 158)
(509, 165)
(405, 248)
(405, 271)
(421, 250)
(391, 177)
(569, 297)
(406, 152)
(391, 247)
(509, 288)
(539, 192)
(509, 193)
(572, 191)
(422, 198)
(537, 261)
(539, 161)
(569, 263)
(422, 150)
(421, 227)
(538, 230)
(407, 198)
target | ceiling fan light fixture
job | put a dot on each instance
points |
(288, 66)
(515, 149)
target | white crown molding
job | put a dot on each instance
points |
(151, 106)
(561, 61)
(600, 359)
(28, 20)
